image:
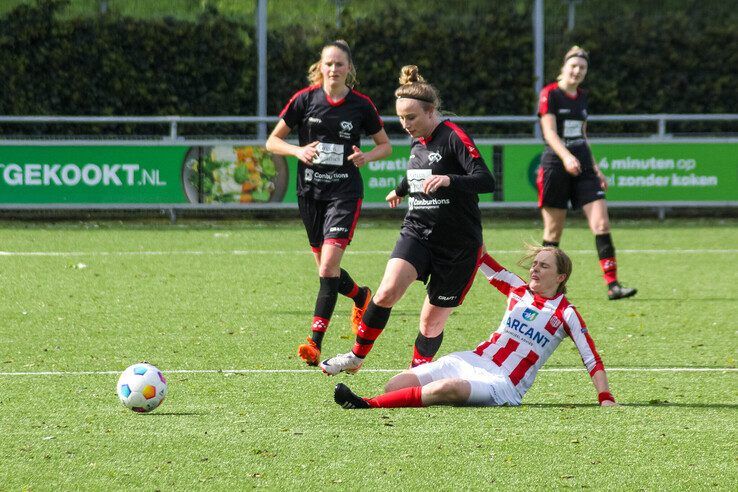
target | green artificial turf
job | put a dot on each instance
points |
(97, 297)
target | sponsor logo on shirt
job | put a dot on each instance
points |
(427, 204)
(529, 314)
(564, 111)
(528, 331)
(434, 157)
(308, 175)
(346, 127)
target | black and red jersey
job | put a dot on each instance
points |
(570, 112)
(450, 215)
(337, 125)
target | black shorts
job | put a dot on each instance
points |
(556, 187)
(447, 272)
(329, 220)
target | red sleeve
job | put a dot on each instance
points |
(503, 280)
(577, 330)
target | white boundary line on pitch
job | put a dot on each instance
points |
(304, 251)
(302, 371)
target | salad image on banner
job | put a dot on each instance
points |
(226, 174)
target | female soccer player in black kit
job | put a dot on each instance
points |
(568, 172)
(330, 117)
(441, 237)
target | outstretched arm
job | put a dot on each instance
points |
(599, 379)
(498, 276)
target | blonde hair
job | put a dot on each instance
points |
(315, 76)
(574, 51)
(414, 86)
(563, 262)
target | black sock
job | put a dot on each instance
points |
(325, 303)
(375, 319)
(428, 347)
(605, 248)
(555, 244)
(347, 285)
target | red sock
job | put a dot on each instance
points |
(405, 397)
(609, 270)
(419, 359)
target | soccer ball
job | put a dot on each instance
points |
(142, 387)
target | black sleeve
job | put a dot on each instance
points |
(294, 112)
(402, 188)
(478, 178)
(372, 121)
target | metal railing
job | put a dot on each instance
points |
(173, 121)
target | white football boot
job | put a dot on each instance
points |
(348, 362)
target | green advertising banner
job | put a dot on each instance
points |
(246, 174)
(639, 172)
(103, 174)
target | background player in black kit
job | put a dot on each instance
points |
(568, 172)
(330, 117)
(441, 237)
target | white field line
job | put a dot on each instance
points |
(315, 371)
(245, 252)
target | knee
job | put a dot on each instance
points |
(450, 390)
(328, 271)
(387, 295)
(601, 226)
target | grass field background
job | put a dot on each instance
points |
(97, 297)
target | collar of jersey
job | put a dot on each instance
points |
(335, 103)
(425, 141)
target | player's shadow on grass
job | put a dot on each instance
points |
(635, 404)
(173, 414)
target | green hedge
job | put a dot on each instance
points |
(480, 60)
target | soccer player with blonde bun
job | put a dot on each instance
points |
(501, 369)
(440, 240)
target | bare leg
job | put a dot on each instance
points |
(433, 319)
(553, 223)
(329, 261)
(597, 217)
(452, 391)
(398, 276)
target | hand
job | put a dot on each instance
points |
(393, 199)
(358, 157)
(432, 184)
(572, 165)
(608, 403)
(603, 179)
(307, 153)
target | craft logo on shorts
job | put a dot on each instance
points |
(434, 157)
(308, 175)
(315, 121)
(346, 127)
(555, 322)
(446, 298)
(529, 314)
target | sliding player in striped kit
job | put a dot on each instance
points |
(440, 240)
(500, 370)
(330, 117)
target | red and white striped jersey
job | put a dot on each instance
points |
(532, 328)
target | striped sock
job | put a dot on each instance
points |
(372, 323)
